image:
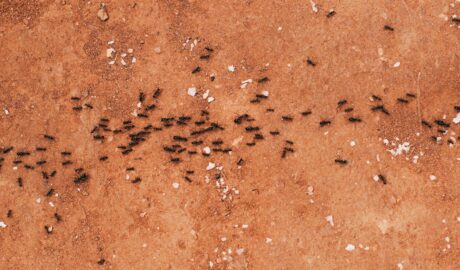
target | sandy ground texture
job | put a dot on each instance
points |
(237, 134)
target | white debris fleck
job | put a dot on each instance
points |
(191, 91)
(245, 83)
(240, 251)
(123, 55)
(399, 150)
(6, 111)
(38, 200)
(456, 120)
(330, 219)
(400, 266)
(397, 64)
(231, 68)
(244, 226)
(110, 52)
(49, 229)
(386, 142)
(110, 42)
(175, 185)
(2, 224)
(268, 240)
(352, 143)
(157, 50)
(458, 218)
(265, 93)
(207, 150)
(210, 166)
(134, 60)
(206, 94)
(130, 50)
(433, 177)
(210, 99)
(350, 247)
(123, 62)
(313, 6)
(310, 190)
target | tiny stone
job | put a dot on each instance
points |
(210, 166)
(350, 247)
(207, 150)
(191, 91)
(102, 13)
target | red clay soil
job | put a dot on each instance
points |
(284, 135)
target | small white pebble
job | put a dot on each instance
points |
(110, 52)
(38, 200)
(456, 120)
(206, 94)
(397, 64)
(330, 219)
(123, 62)
(231, 68)
(130, 50)
(175, 185)
(207, 150)
(6, 111)
(245, 226)
(265, 93)
(313, 6)
(433, 177)
(210, 166)
(210, 99)
(352, 143)
(157, 50)
(2, 224)
(268, 240)
(240, 251)
(376, 178)
(458, 218)
(310, 190)
(110, 42)
(245, 83)
(191, 91)
(134, 60)
(350, 247)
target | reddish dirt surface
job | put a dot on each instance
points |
(304, 211)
